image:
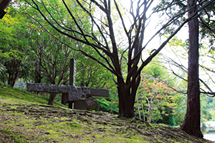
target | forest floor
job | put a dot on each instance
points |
(25, 117)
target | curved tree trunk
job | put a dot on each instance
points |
(51, 98)
(191, 123)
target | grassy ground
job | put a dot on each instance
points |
(25, 117)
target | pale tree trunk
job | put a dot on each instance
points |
(138, 108)
(149, 119)
(149, 110)
(191, 123)
(144, 117)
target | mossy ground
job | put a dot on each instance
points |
(25, 117)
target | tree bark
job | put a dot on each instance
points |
(126, 95)
(38, 76)
(4, 4)
(191, 123)
(38, 72)
(13, 71)
(51, 98)
(126, 107)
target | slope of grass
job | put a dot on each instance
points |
(19, 96)
(25, 117)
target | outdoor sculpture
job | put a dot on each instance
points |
(70, 93)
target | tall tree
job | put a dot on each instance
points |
(13, 45)
(110, 43)
(53, 59)
(191, 123)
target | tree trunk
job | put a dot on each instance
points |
(191, 123)
(138, 109)
(126, 107)
(4, 4)
(126, 95)
(13, 71)
(144, 117)
(51, 98)
(38, 76)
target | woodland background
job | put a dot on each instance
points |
(32, 51)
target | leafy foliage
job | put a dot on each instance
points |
(13, 47)
(155, 100)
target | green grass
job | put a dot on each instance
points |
(25, 117)
(20, 96)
